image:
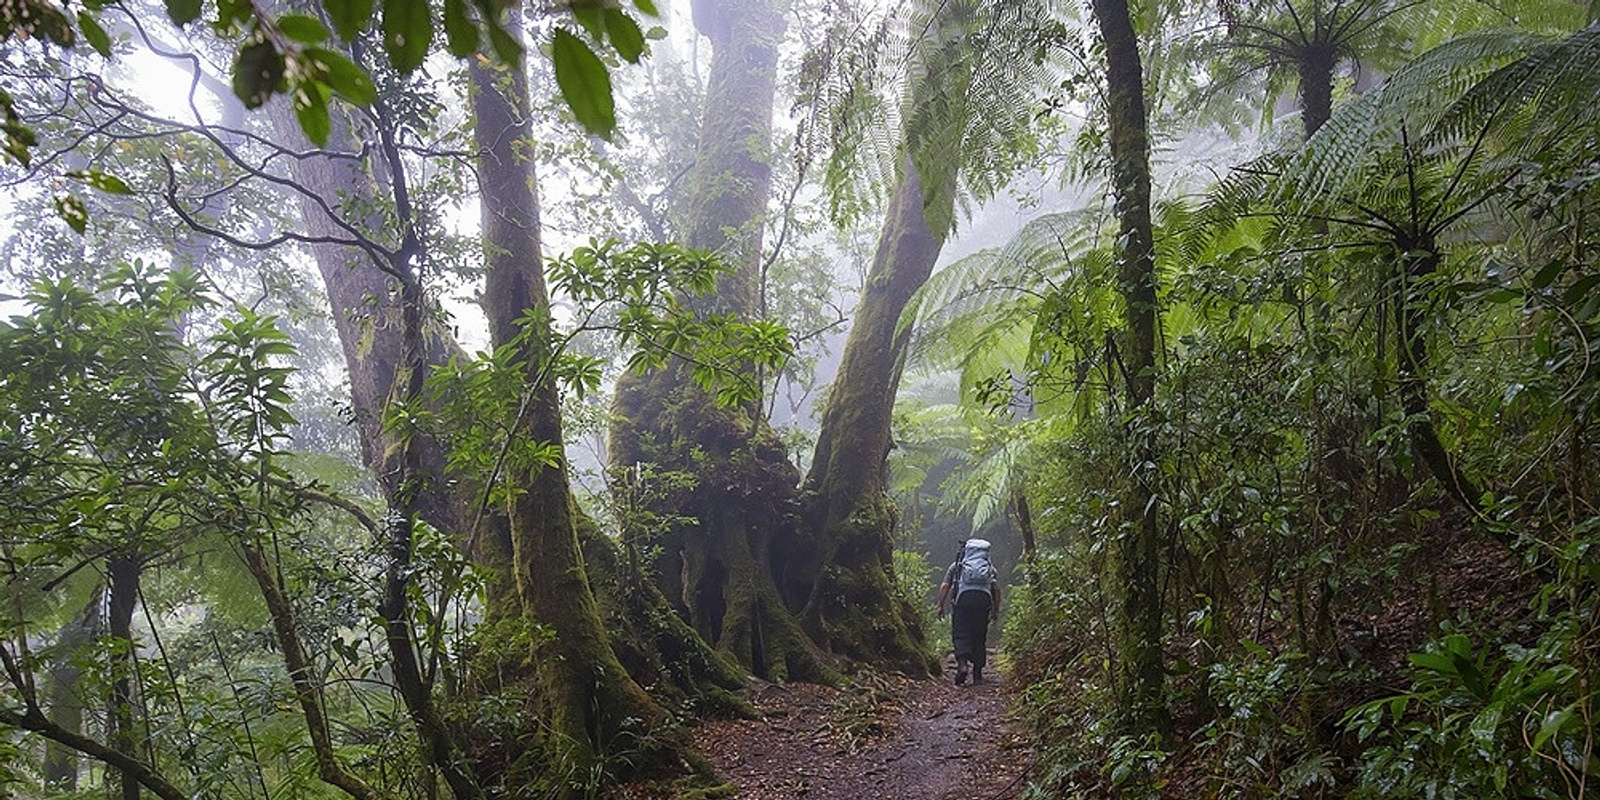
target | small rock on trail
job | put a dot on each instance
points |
(892, 738)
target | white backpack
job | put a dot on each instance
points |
(977, 574)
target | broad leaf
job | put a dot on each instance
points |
(461, 36)
(94, 34)
(183, 12)
(349, 17)
(585, 84)
(72, 210)
(311, 109)
(407, 32)
(625, 34)
(303, 29)
(342, 76)
(105, 182)
(257, 73)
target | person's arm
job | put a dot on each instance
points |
(994, 608)
(944, 594)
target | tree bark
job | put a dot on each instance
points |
(66, 709)
(846, 570)
(719, 568)
(367, 314)
(1418, 261)
(123, 570)
(1141, 675)
(31, 719)
(588, 700)
(1314, 63)
(302, 676)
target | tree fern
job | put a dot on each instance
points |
(947, 83)
(1344, 153)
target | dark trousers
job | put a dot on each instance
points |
(969, 627)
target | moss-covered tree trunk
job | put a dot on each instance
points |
(588, 702)
(717, 565)
(1141, 677)
(845, 571)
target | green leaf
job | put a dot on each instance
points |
(625, 35)
(1553, 723)
(1437, 662)
(257, 73)
(591, 15)
(94, 34)
(349, 17)
(232, 16)
(311, 109)
(647, 8)
(183, 12)
(461, 36)
(585, 84)
(303, 29)
(342, 76)
(407, 32)
(72, 210)
(1548, 275)
(105, 182)
(506, 47)
(1581, 288)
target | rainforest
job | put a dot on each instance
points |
(504, 399)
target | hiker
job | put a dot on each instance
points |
(977, 602)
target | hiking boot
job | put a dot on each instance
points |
(977, 675)
(961, 673)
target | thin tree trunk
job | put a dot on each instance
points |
(32, 719)
(302, 676)
(589, 701)
(379, 313)
(124, 571)
(1030, 545)
(66, 704)
(1417, 264)
(1141, 676)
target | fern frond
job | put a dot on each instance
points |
(1549, 91)
(1344, 152)
(950, 83)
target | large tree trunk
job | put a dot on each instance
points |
(1141, 676)
(366, 307)
(587, 700)
(846, 570)
(719, 566)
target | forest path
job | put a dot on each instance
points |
(890, 737)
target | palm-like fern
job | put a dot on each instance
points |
(949, 84)
(1444, 139)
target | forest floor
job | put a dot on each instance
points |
(888, 737)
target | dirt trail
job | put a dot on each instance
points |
(894, 738)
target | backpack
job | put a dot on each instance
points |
(977, 574)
